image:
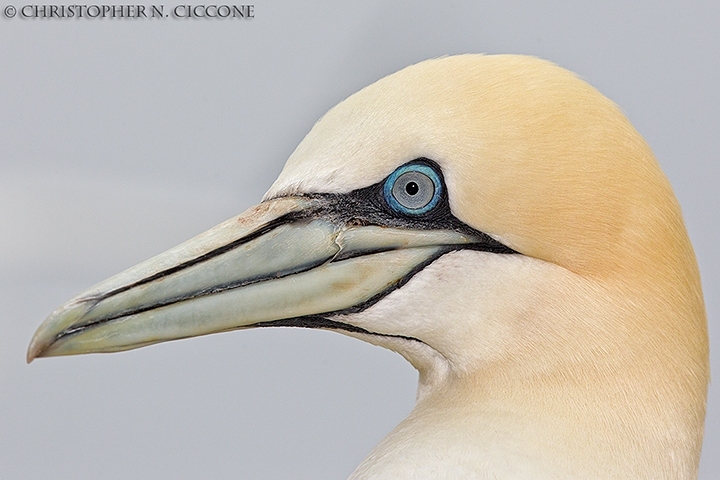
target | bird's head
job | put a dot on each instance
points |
(489, 214)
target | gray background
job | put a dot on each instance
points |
(121, 138)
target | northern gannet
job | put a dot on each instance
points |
(501, 225)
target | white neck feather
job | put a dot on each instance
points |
(531, 383)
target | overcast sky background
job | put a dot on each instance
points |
(122, 138)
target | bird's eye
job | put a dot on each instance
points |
(413, 189)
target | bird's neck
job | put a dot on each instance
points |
(534, 428)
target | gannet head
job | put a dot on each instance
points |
(497, 222)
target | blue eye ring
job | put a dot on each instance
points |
(414, 173)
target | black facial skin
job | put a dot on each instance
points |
(367, 206)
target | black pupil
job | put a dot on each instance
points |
(412, 188)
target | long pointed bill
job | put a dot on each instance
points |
(276, 261)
